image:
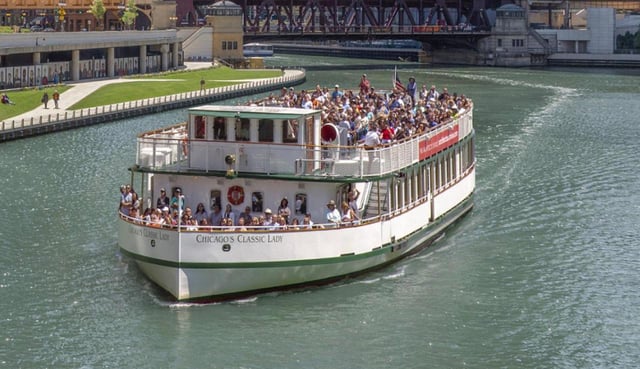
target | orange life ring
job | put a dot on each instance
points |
(235, 195)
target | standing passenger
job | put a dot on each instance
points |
(163, 200)
(283, 210)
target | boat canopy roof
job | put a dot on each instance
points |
(252, 112)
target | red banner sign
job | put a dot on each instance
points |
(438, 142)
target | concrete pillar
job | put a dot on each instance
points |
(164, 58)
(174, 55)
(36, 58)
(111, 57)
(143, 59)
(75, 65)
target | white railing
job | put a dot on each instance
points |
(124, 107)
(169, 149)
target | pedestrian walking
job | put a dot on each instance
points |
(45, 99)
(201, 84)
(56, 97)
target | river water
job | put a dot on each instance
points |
(543, 273)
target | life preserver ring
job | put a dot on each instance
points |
(235, 195)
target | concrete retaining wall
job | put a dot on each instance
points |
(11, 130)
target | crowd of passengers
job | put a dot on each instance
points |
(402, 113)
(171, 212)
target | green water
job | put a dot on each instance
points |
(543, 273)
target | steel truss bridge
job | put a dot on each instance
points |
(331, 16)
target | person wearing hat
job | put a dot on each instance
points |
(336, 94)
(333, 214)
(177, 201)
(163, 200)
(268, 217)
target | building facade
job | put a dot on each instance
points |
(75, 15)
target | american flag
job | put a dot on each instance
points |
(397, 84)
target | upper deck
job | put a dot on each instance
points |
(276, 141)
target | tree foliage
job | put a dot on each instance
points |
(129, 15)
(98, 10)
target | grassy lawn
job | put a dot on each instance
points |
(147, 86)
(27, 99)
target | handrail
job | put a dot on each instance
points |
(301, 227)
(168, 149)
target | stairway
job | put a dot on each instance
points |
(377, 203)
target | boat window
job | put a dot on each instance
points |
(301, 203)
(290, 130)
(265, 130)
(242, 129)
(200, 130)
(219, 128)
(256, 202)
(215, 199)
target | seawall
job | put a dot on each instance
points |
(37, 125)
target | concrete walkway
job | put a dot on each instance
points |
(79, 91)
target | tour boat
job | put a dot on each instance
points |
(405, 194)
(257, 49)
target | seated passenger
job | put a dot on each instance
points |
(307, 223)
(348, 215)
(295, 223)
(333, 215)
(241, 225)
(255, 223)
(268, 218)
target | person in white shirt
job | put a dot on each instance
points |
(371, 141)
(333, 214)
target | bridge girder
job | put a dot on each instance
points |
(332, 15)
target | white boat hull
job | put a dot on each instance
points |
(223, 265)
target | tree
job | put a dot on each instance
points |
(129, 15)
(98, 10)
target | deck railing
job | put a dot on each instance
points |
(169, 150)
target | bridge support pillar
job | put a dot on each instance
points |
(164, 57)
(36, 58)
(75, 65)
(143, 59)
(175, 53)
(111, 57)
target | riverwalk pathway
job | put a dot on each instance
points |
(41, 120)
